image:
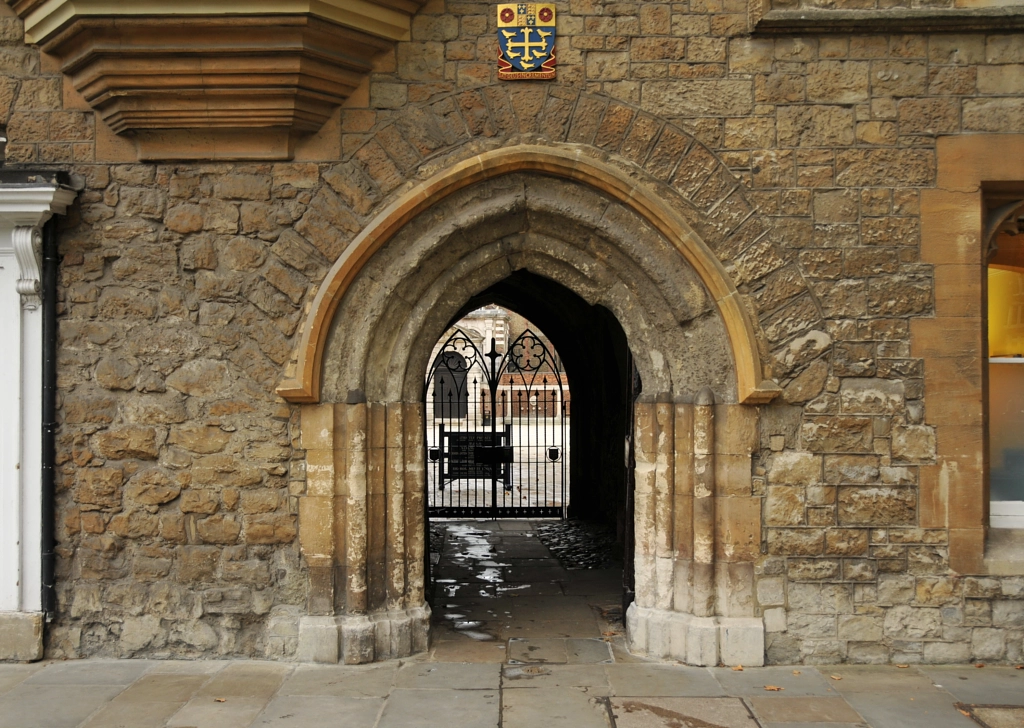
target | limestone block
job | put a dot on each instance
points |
(741, 641)
(702, 642)
(21, 636)
(318, 640)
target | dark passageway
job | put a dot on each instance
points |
(496, 584)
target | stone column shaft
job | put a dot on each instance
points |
(704, 504)
(395, 485)
(355, 442)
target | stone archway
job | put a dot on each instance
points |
(586, 225)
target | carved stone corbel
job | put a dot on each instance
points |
(28, 244)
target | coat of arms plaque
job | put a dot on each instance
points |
(526, 41)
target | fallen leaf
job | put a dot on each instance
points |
(220, 700)
(903, 667)
(796, 672)
(980, 664)
(964, 712)
(738, 668)
(773, 688)
(608, 634)
(1020, 667)
(836, 677)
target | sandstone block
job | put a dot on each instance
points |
(200, 378)
(876, 506)
(796, 541)
(224, 470)
(99, 489)
(129, 442)
(117, 372)
(988, 643)
(815, 126)
(837, 434)
(270, 528)
(812, 569)
(698, 98)
(199, 501)
(21, 636)
(913, 443)
(218, 529)
(910, 623)
(152, 487)
(871, 396)
(197, 563)
(860, 628)
(846, 542)
(199, 438)
(844, 82)
(785, 505)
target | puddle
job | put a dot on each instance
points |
(478, 636)
(467, 625)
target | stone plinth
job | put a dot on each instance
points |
(705, 641)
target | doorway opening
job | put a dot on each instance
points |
(497, 410)
(529, 400)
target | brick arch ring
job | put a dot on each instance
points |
(752, 386)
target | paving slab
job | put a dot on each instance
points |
(467, 650)
(587, 651)
(592, 679)
(257, 680)
(348, 681)
(650, 680)
(678, 712)
(162, 688)
(206, 712)
(999, 717)
(804, 710)
(188, 667)
(552, 707)
(441, 709)
(913, 709)
(13, 675)
(988, 685)
(876, 678)
(308, 711)
(448, 676)
(533, 629)
(794, 681)
(37, 705)
(90, 672)
(537, 651)
(149, 714)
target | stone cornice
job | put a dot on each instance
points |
(216, 79)
(891, 20)
(387, 19)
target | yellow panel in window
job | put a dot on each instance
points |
(1005, 312)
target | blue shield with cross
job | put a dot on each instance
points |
(526, 38)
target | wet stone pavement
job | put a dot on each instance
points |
(519, 642)
(501, 595)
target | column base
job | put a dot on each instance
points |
(358, 639)
(705, 641)
(21, 636)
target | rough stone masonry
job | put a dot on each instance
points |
(799, 159)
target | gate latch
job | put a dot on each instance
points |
(491, 455)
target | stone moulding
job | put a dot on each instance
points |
(225, 80)
(752, 386)
(954, 491)
(891, 20)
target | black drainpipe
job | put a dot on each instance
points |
(49, 448)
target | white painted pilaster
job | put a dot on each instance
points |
(24, 208)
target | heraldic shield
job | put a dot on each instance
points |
(526, 41)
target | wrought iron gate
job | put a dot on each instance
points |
(497, 430)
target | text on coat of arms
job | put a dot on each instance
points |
(526, 41)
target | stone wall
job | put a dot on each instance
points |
(183, 288)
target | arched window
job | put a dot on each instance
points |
(451, 393)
